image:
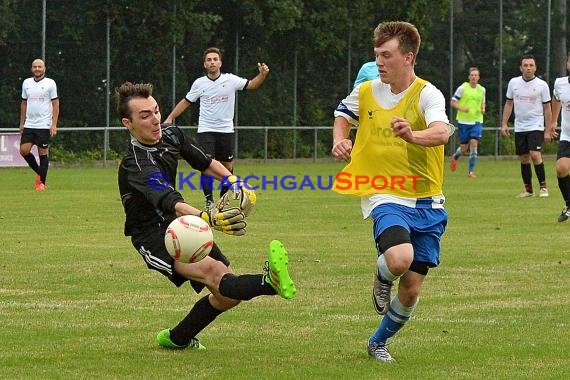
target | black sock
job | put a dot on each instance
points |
(564, 186)
(540, 174)
(207, 183)
(32, 163)
(44, 164)
(526, 173)
(245, 287)
(201, 315)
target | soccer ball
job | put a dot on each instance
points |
(189, 239)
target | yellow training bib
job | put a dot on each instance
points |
(382, 163)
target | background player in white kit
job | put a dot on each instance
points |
(216, 91)
(561, 102)
(531, 99)
(39, 112)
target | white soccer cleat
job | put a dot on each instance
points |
(525, 194)
(379, 351)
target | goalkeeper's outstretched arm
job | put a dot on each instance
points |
(246, 197)
(217, 170)
(182, 208)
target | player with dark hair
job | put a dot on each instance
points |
(39, 112)
(530, 98)
(402, 129)
(561, 106)
(217, 94)
(151, 203)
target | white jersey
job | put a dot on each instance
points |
(562, 93)
(217, 101)
(528, 98)
(432, 106)
(38, 96)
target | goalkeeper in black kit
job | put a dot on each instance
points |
(151, 203)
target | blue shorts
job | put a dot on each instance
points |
(469, 131)
(425, 226)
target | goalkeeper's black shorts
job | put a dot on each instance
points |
(150, 245)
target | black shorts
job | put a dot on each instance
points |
(38, 137)
(219, 146)
(528, 141)
(563, 149)
(150, 245)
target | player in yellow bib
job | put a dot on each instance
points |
(469, 101)
(396, 168)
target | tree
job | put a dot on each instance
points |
(313, 48)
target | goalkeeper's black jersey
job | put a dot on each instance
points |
(147, 176)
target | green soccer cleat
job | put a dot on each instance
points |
(163, 340)
(277, 274)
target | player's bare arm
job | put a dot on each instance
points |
(55, 117)
(506, 114)
(180, 107)
(455, 104)
(436, 134)
(259, 78)
(342, 145)
(23, 109)
(548, 132)
(556, 108)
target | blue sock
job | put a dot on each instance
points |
(392, 322)
(472, 159)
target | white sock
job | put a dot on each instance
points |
(383, 270)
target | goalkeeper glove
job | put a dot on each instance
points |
(230, 221)
(246, 197)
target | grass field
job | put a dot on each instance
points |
(76, 301)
